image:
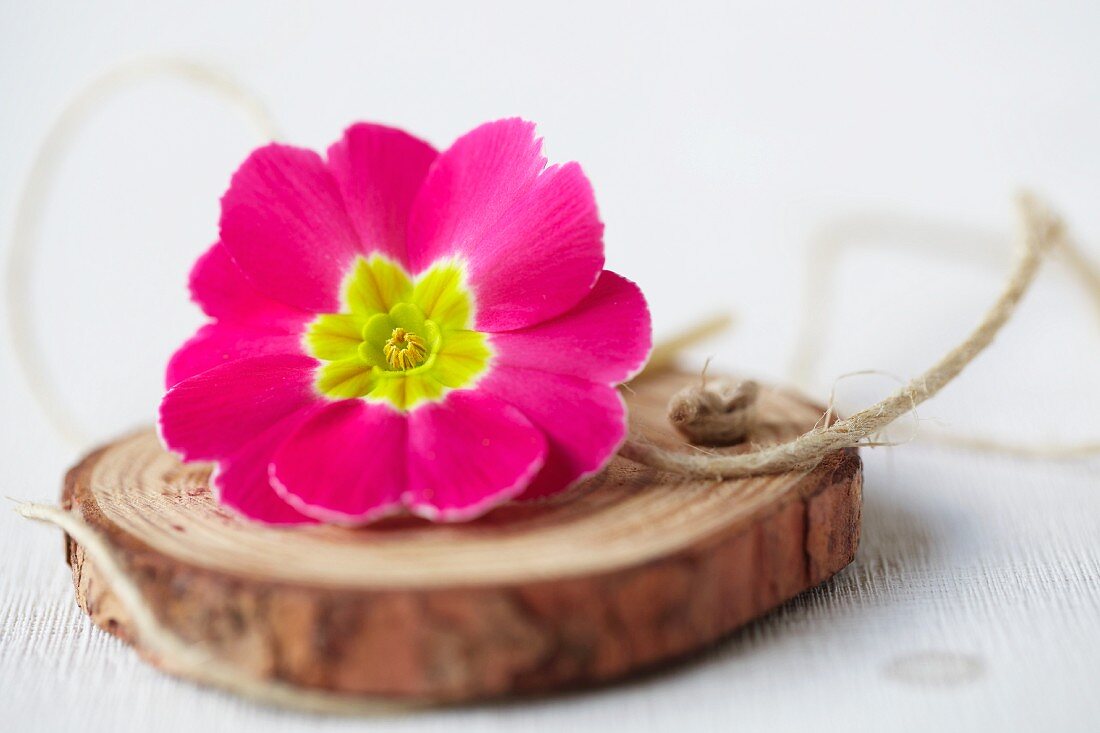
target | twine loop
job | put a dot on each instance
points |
(718, 413)
(1042, 230)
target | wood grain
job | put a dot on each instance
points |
(629, 570)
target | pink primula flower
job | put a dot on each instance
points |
(396, 329)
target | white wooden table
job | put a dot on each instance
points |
(720, 140)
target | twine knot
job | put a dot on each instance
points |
(722, 413)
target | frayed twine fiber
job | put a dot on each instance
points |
(1042, 231)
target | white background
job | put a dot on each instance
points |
(721, 139)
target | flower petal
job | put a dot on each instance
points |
(605, 338)
(242, 480)
(461, 357)
(345, 379)
(376, 285)
(584, 422)
(283, 222)
(467, 454)
(470, 186)
(222, 291)
(224, 341)
(407, 391)
(531, 238)
(379, 170)
(442, 294)
(214, 414)
(346, 464)
(334, 336)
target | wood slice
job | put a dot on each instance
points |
(631, 569)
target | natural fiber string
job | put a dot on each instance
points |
(830, 408)
(28, 212)
(182, 657)
(28, 215)
(175, 654)
(821, 266)
(1042, 230)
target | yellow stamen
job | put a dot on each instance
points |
(405, 350)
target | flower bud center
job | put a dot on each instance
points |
(405, 350)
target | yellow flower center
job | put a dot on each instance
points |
(404, 350)
(398, 339)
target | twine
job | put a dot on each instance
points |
(720, 414)
(1042, 231)
(194, 661)
(821, 265)
(180, 656)
(28, 212)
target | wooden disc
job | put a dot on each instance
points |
(631, 569)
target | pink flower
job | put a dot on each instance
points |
(399, 329)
